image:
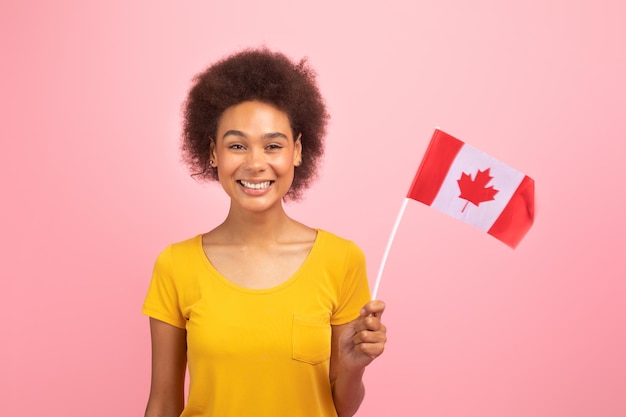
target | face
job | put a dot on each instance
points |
(255, 154)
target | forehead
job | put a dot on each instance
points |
(253, 117)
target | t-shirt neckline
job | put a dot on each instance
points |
(288, 282)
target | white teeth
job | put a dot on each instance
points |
(255, 186)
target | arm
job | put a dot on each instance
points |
(169, 359)
(355, 345)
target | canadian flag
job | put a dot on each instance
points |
(474, 187)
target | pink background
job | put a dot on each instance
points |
(92, 190)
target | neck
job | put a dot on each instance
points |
(269, 226)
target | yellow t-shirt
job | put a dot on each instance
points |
(256, 353)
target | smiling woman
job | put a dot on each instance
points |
(255, 155)
(262, 307)
(263, 76)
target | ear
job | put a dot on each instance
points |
(297, 153)
(212, 153)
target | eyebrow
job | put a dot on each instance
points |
(239, 133)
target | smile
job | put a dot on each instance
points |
(255, 185)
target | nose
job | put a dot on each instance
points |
(255, 160)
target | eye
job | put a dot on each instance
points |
(273, 146)
(236, 146)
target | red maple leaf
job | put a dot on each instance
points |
(476, 190)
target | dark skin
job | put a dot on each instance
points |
(256, 154)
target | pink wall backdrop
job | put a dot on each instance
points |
(92, 189)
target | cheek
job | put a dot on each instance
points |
(286, 167)
(224, 171)
(226, 163)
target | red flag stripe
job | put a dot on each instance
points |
(440, 154)
(517, 216)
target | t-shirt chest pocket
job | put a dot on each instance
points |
(311, 338)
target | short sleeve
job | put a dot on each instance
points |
(162, 301)
(354, 292)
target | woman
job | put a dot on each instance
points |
(271, 317)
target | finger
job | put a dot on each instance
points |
(366, 323)
(373, 308)
(371, 323)
(373, 350)
(367, 336)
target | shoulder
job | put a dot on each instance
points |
(338, 245)
(180, 251)
(330, 238)
(187, 243)
(186, 246)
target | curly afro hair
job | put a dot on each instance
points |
(263, 75)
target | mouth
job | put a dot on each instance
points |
(255, 185)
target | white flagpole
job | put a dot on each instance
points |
(386, 254)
